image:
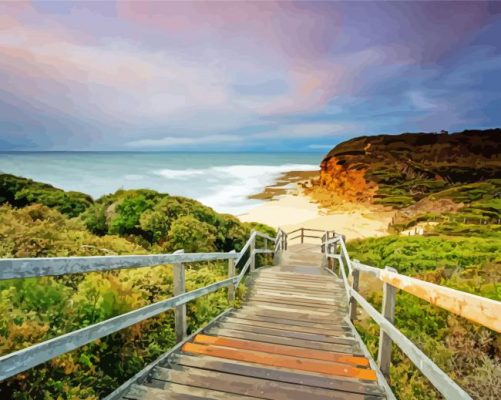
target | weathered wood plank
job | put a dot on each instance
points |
(309, 344)
(286, 322)
(257, 387)
(303, 294)
(169, 390)
(277, 373)
(338, 331)
(283, 312)
(326, 313)
(301, 364)
(339, 358)
(292, 302)
(298, 297)
(285, 333)
(139, 392)
(297, 289)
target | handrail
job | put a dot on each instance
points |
(13, 268)
(21, 360)
(484, 311)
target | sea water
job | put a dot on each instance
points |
(220, 180)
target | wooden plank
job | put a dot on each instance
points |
(260, 337)
(269, 305)
(305, 290)
(322, 367)
(485, 312)
(341, 325)
(328, 332)
(314, 277)
(168, 391)
(283, 333)
(292, 301)
(307, 294)
(299, 300)
(277, 374)
(296, 296)
(298, 282)
(281, 312)
(256, 387)
(139, 392)
(300, 290)
(339, 358)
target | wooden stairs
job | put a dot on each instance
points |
(289, 340)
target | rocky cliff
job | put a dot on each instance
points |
(398, 170)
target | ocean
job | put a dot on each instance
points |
(220, 180)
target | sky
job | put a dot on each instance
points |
(251, 76)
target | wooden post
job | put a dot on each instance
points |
(231, 274)
(355, 286)
(252, 254)
(285, 240)
(180, 311)
(302, 235)
(385, 343)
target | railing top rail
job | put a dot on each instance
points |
(307, 229)
(265, 236)
(18, 268)
(483, 311)
(12, 268)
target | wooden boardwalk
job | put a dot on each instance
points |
(289, 340)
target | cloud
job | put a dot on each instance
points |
(147, 74)
(305, 130)
(172, 141)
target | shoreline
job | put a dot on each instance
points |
(286, 206)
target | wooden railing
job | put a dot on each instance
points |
(18, 268)
(303, 233)
(481, 310)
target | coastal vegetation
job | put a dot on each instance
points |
(38, 220)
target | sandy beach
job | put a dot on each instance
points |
(294, 209)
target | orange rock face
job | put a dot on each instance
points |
(347, 184)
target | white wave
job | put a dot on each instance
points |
(227, 188)
(241, 181)
(180, 174)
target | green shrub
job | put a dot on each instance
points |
(20, 192)
(192, 235)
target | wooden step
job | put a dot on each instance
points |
(304, 378)
(284, 312)
(283, 340)
(301, 364)
(325, 325)
(339, 358)
(329, 332)
(248, 386)
(175, 391)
